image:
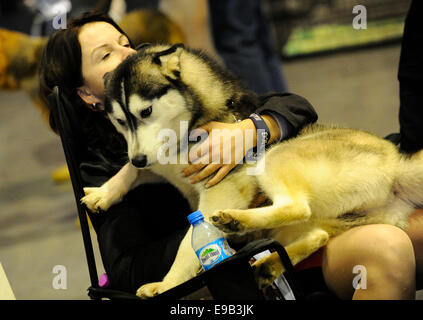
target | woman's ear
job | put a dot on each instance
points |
(85, 94)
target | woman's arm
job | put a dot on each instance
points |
(285, 115)
(293, 110)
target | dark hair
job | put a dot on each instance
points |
(61, 62)
(61, 65)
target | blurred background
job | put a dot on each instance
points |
(310, 47)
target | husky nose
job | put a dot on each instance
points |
(140, 161)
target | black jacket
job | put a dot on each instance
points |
(410, 76)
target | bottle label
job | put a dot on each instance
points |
(213, 253)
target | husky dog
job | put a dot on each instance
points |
(321, 183)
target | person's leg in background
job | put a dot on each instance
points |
(271, 57)
(243, 40)
(194, 19)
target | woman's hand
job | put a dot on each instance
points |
(225, 147)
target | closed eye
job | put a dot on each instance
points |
(105, 56)
(146, 112)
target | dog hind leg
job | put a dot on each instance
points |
(267, 269)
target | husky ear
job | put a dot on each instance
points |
(169, 61)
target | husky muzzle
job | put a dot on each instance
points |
(139, 161)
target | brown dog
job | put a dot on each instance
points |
(20, 55)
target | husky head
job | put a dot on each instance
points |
(161, 86)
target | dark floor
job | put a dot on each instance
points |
(38, 228)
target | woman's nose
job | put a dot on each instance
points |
(127, 52)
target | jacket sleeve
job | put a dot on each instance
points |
(291, 111)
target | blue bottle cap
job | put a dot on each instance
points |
(195, 217)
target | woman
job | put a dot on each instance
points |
(138, 247)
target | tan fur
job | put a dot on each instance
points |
(194, 73)
(321, 183)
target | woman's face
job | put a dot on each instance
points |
(103, 48)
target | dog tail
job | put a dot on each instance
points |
(410, 179)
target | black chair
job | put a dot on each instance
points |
(231, 279)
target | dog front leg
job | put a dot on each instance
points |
(277, 215)
(186, 266)
(112, 191)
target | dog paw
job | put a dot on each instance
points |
(227, 221)
(151, 290)
(100, 199)
(267, 269)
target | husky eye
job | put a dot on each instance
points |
(121, 122)
(146, 112)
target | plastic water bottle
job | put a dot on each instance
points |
(208, 242)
